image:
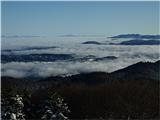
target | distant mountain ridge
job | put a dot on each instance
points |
(141, 42)
(30, 48)
(137, 36)
(35, 57)
(92, 42)
(5, 58)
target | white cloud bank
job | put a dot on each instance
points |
(46, 69)
(127, 55)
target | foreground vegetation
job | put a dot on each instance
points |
(133, 99)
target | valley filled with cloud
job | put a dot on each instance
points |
(69, 56)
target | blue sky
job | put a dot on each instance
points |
(80, 18)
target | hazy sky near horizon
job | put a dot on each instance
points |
(80, 18)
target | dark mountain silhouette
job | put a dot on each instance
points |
(141, 42)
(92, 42)
(138, 71)
(35, 57)
(30, 48)
(137, 36)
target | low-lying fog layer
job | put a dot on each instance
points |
(125, 55)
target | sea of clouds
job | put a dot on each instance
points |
(126, 55)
